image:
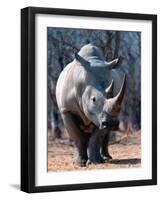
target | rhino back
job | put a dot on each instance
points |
(69, 89)
(64, 87)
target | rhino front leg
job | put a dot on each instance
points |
(77, 136)
(104, 150)
(94, 144)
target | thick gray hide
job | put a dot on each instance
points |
(87, 113)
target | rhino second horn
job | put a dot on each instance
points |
(118, 99)
(109, 90)
(113, 105)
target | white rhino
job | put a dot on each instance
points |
(89, 111)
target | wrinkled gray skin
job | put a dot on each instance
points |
(89, 111)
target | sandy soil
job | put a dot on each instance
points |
(126, 153)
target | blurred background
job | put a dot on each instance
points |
(64, 42)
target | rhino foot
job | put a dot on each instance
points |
(89, 162)
(95, 160)
(81, 162)
(106, 157)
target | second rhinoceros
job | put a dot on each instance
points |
(88, 110)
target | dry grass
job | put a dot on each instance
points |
(126, 153)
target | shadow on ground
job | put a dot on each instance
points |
(133, 161)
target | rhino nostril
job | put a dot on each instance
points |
(110, 124)
(104, 123)
(117, 123)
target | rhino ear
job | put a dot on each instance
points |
(112, 64)
(82, 61)
(115, 63)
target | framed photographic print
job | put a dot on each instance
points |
(88, 99)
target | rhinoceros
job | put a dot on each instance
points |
(89, 111)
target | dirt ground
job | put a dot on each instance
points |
(126, 153)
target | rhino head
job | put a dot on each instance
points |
(92, 56)
(100, 106)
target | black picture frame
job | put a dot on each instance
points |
(28, 99)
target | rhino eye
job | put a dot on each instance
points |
(94, 99)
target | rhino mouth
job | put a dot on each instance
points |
(111, 124)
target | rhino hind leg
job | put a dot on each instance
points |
(77, 136)
(56, 132)
(104, 151)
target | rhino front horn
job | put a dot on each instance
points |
(120, 95)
